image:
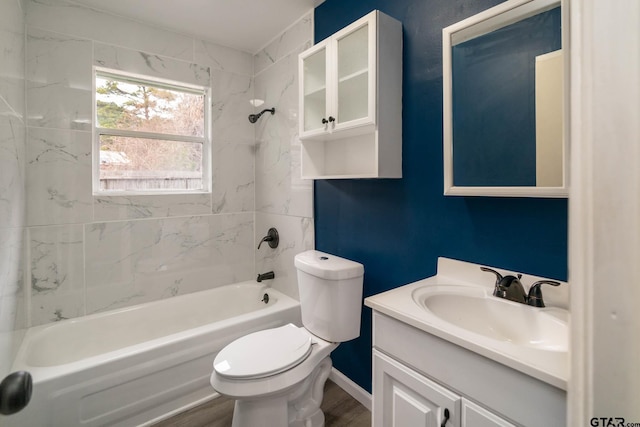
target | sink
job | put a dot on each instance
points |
(457, 305)
(477, 311)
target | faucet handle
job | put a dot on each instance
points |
(499, 290)
(535, 293)
(272, 238)
(491, 270)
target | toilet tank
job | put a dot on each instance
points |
(330, 295)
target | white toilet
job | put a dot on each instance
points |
(277, 375)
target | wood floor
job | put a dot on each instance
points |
(340, 410)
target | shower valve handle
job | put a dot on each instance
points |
(272, 238)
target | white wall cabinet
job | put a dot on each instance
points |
(418, 376)
(350, 118)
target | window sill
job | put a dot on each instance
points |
(150, 193)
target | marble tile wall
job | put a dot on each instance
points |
(68, 253)
(283, 200)
(86, 253)
(12, 181)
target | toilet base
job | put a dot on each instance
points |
(298, 406)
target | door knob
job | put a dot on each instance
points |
(15, 392)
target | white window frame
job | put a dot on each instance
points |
(162, 83)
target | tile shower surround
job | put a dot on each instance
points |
(12, 180)
(87, 253)
(283, 200)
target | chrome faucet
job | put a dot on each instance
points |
(509, 287)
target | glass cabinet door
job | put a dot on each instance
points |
(314, 75)
(353, 76)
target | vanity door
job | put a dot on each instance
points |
(403, 397)
(476, 416)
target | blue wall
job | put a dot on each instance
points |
(398, 228)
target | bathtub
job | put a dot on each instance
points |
(141, 364)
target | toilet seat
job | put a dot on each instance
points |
(264, 353)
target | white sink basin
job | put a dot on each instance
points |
(476, 310)
(457, 305)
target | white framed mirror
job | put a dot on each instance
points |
(504, 95)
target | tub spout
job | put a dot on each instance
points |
(265, 276)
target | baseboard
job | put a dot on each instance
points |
(357, 392)
(181, 409)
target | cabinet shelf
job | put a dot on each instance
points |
(316, 95)
(316, 91)
(357, 74)
(352, 157)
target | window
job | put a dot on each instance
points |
(151, 136)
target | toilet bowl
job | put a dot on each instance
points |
(297, 378)
(278, 366)
(277, 375)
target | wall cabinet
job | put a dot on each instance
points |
(350, 116)
(419, 378)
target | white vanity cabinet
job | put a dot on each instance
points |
(417, 376)
(473, 415)
(350, 89)
(404, 397)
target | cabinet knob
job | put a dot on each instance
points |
(324, 121)
(331, 119)
(446, 417)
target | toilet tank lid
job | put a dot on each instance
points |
(327, 266)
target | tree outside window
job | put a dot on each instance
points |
(151, 135)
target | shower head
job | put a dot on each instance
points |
(254, 117)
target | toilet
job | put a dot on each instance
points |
(277, 375)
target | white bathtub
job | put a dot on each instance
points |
(139, 364)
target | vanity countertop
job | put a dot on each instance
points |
(549, 366)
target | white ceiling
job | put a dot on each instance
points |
(241, 24)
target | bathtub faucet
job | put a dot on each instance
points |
(265, 276)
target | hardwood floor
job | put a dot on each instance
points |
(340, 410)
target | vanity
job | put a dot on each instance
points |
(447, 352)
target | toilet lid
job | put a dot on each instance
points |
(264, 353)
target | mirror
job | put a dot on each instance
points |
(503, 74)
